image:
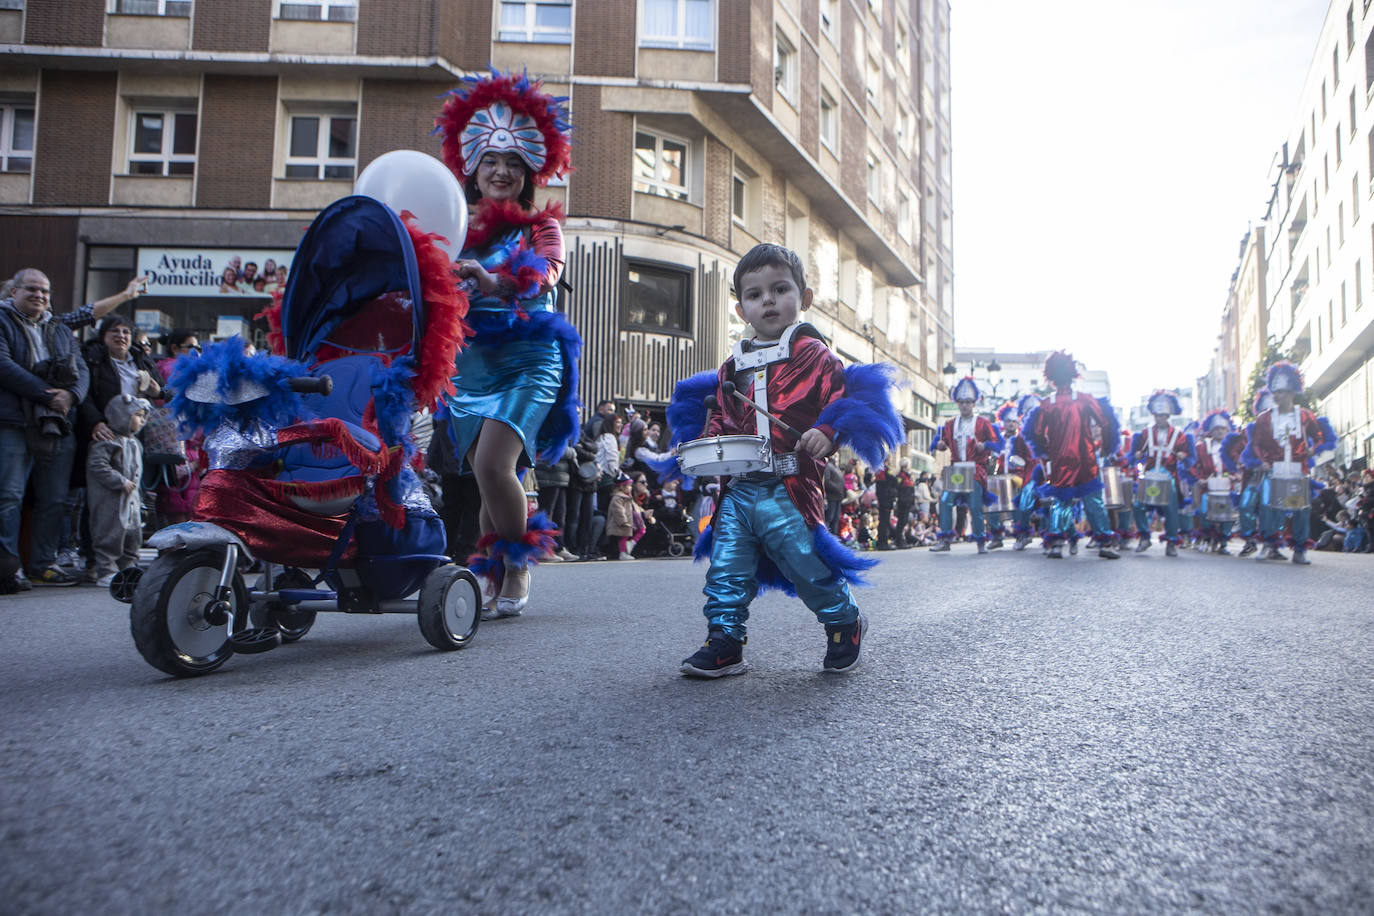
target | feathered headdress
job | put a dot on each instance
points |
(505, 113)
(1264, 399)
(1007, 412)
(966, 389)
(1217, 419)
(1164, 401)
(1027, 403)
(1060, 367)
(1284, 376)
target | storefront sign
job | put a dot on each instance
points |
(196, 272)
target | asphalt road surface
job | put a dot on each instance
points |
(1024, 735)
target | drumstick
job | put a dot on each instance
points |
(729, 388)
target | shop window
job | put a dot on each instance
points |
(319, 10)
(163, 143)
(684, 24)
(178, 8)
(322, 146)
(656, 298)
(16, 137)
(548, 21)
(661, 165)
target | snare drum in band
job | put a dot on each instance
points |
(1003, 489)
(1116, 488)
(958, 477)
(1220, 508)
(1288, 494)
(724, 455)
(1154, 488)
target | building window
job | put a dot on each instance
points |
(147, 7)
(163, 143)
(873, 84)
(16, 137)
(322, 146)
(548, 21)
(830, 18)
(11, 4)
(903, 129)
(660, 165)
(903, 214)
(1359, 287)
(1354, 200)
(1352, 115)
(677, 24)
(319, 10)
(785, 67)
(903, 58)
(829, 116)
(656, 298)
(739, 199)
(875, 178)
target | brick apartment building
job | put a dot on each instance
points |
(175, 135)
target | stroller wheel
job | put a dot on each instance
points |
(125, 583)
(450, 607)
(676, 548)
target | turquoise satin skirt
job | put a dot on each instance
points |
(514, 381)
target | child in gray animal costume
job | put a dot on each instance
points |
(113, 472)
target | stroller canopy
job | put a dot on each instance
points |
(356, 250)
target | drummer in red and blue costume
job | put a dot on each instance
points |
(1030, 472)
(1012, 459)
(1251, 478)
(1058, 431)
(1162, 447)
(1218, 453)
(769, 527)
(968, 439)
(1287, 432)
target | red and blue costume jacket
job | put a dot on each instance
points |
(986, 442)
(1313, 437)
(1058, 431)
(1218, 457)
(1171, 449)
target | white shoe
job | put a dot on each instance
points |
(566, 554)
(105, 581)
(511, 606)
(624, 555)
(553, 558)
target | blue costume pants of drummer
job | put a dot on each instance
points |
(1169, 511)
(1025, 504)
(1271, 521)
(757, 518)
(1060, 524)
(1248, 510)
(974, 501)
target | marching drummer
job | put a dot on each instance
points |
(1008, 425)
(1059, 432)
(769, 530)
(1217, 453)
(971, 441)
(1284, 438)
(1165, 451)
(1251, 478)
(1028, 471)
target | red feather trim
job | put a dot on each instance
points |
(446, 307)
(495, 216)
(272, 315)
(462, 104)
(322, 490)
(333, 432)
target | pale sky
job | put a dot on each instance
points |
(1108, 158)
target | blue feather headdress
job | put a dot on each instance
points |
(1164, 401)
(232, 373)
(966, 389)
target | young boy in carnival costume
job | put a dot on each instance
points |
(1059, 434)
(1218, 455)
(768, 529)
(1247, 525)
(1026, 519)
(969, 440)
(1162, 447)
(1288, 433)
(1008, 462)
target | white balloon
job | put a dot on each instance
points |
(407, 179)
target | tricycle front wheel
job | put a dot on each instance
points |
(450, 607)
(168, 616)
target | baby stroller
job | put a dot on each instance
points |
(311, 458)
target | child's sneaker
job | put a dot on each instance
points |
(842, 645)
(54, 576)
(720, 656)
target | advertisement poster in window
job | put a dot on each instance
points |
(214, 272)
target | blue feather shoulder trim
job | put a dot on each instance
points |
(866, 418)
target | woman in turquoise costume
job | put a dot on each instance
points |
(516, 379)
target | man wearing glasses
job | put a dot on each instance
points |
(42, 379)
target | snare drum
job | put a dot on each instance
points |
(1220, 508)
(1154, 488)
(724, 455)
(1003, 490)
(1116, 488)
(958, 477)
(1287, 493)
(1219, 483)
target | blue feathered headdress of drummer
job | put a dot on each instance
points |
(1284, 376)
(1164, 401)
(1217, 419)
(966, 389)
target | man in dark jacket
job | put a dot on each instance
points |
(885, 489)
(42, 380)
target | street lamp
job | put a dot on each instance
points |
(994, 375)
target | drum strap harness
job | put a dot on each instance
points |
(751, 367)
(1162, 450)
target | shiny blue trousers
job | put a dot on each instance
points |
(1248, 510)
(1060, 523)
(759, 519)
(973, 500)
(1271, 521)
